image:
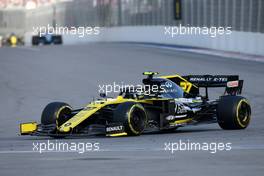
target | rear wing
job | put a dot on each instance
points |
(231, 82)
(191, 84)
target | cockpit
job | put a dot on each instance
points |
(170, 89)
(164, 88)
(155, 87)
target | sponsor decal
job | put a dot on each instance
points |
(184, 100)
(172, 117)
(208, 79)
(232, 84)
(114, 128)
(88, 108)
(180, 108)
(67, 124)
(168, 84)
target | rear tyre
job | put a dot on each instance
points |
(233, 112)
(57, 39)
(133, 116)
(35, 40)
(56, 113)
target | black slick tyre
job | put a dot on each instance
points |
(56, 113)
(233, 112)
(133, 117)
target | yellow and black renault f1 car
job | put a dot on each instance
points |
(172, 101)
(13, 40)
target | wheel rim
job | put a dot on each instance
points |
(64, 115)
(243, 113)
(137, 120)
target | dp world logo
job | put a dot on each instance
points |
(168, 84)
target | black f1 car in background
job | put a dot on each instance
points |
(47, 39)
(174, 102)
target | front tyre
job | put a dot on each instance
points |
(56, 113)
(133, 116)
(233, 112)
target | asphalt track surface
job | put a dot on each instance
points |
(32, 77)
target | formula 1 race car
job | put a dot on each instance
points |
(47, 39)
(162, 103)
(12, 40)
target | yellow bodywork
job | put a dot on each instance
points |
(180, 122)
(13, 41)
(92, 108)
(27, 128)
(184, 84)
(117, 134)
